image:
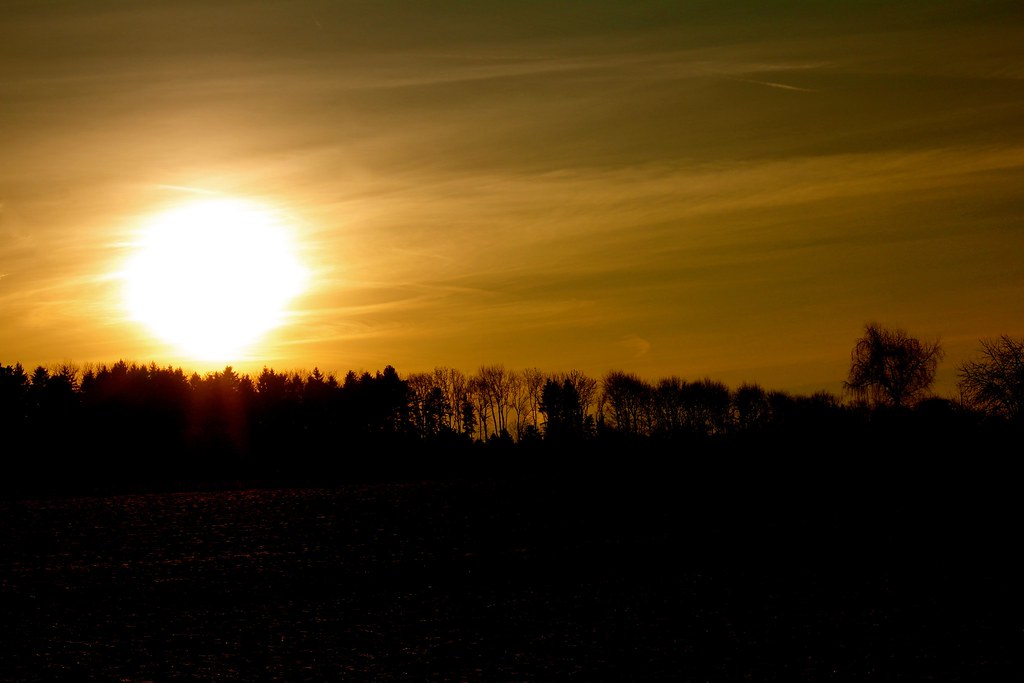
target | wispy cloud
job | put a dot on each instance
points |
(772, 84)
(187, 190)
(636, 345)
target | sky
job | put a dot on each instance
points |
(692, 189)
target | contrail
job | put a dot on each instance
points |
(772, 84)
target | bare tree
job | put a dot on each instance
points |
(700, 407)
(995, 383)
(670, 412)
(889, 367)
(455, 386)
(706, 403)
(421, 387)
(496, 386)
(477, 398)
(626, 403)
(751, 407)
(522, 399)
(585, 386)
(532, 388)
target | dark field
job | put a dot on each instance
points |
(686, 579)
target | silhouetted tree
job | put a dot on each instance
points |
(14, 388)
(560, 404)
(531, 389)
(708, 403)
(392, 401)
(889, 367)
(670, 412)
(278, 423)
(428, 406)
(520, 403)
(54, 393)
(476, 395)
(135, 419)
(54, 418)
(421, 384)
(435, 408)
(319, 394)
(271, 386)
(698, 408)
(454, 384)
(222, 403)
(626, 405)
(494, 401)
(14, 422)
(586, 389)
(995, 383)
(468, 417)
(355, 412)
(374, 406)
(751, 408)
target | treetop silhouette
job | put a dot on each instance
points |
(889, 367)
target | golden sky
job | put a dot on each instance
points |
(700, 189)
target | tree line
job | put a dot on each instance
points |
(131, 421)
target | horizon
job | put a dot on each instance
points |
(662, 189)
(305, 372)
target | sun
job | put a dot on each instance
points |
(212, 277)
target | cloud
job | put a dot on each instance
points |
(187, 190)
(773, 84)
(636, 345)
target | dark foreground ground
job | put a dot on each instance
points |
(681, 578)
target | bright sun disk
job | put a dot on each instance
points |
(212, 277)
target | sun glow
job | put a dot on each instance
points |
(212, 277)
